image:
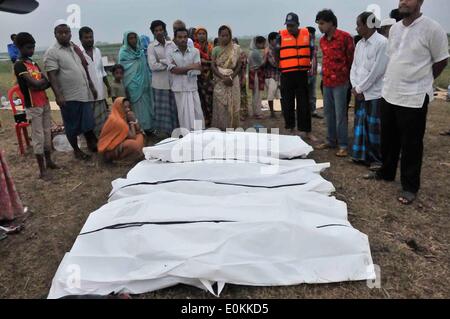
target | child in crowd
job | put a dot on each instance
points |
(272, 73)
(117, 88)
(256, 73)
(33, 84)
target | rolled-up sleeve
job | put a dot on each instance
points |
(51, 61)
(153, 62)
(439, 45)
(197, 58)
(170, 61)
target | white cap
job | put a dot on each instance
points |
(388, 22)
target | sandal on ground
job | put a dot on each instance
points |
(407, 198)
(342, 153)
(375, 167)
(445, 133)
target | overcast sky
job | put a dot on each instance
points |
(110, 18)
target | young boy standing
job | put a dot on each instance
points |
(272, 73)
(117, 88)
(33, 84)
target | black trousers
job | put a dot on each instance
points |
(294, 86)
(402, 131)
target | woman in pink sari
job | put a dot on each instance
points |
(10, 204)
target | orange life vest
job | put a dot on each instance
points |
(295, 54)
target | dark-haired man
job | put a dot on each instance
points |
(366, 77)
(67, 71)
(166, 117)
(418, 53)
(98, 75)
(294, 63)
(184, 67)
(338, 49)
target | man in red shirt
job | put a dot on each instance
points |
(338, 49)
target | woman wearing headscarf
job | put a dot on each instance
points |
(137, 80)
(121, 136)
(226, 66)
(205, 84)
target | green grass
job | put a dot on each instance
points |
(444, 80)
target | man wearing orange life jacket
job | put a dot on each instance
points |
(295, 55)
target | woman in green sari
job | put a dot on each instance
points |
(226, 66)
(137, 80)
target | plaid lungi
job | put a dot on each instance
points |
(166, 114)
(366, 146)
(100, 109)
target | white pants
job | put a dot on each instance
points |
(190, 114)
(273, 89)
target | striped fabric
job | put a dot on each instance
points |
(166, 114)
(366, 146)
(100, 109)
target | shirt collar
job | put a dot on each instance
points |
(84, 50)
(415, 21)
(335, 35)
(371, 39)
(59, 46)
(187, 50)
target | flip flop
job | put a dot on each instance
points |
(445, 133)
(407, 198)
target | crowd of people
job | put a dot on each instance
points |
(193, 84)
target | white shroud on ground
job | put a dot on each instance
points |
(206, 222)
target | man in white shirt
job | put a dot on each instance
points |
(418, 52)
(98, 76)
(166, 115)
(368, 68)
(178, 24)
(184, 67)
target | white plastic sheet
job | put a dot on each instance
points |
(215, 178)
(250, 147)
(257, 221)
(144, 243)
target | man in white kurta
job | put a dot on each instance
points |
(418, 53)
(98, 76)
(184, 67)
